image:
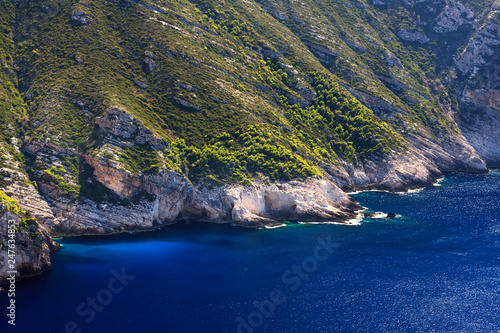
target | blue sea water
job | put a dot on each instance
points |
(434, 269)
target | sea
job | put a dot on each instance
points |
(433, 268)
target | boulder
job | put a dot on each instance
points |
(188, 105)
(149, 65)
(79, 17)
(413, 36)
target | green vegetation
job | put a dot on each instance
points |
(12, 106)
(141, 159)
(10, 204)
(249, 152)
(349, 128)
(63, 175)
(56, 175)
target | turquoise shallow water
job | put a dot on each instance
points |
(435, 269)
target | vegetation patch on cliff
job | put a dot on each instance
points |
(26, 219)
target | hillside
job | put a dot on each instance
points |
(127, 115)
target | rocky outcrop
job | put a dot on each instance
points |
(413, 36)
(168, 193)
(482, 129)
(324, 54)
(483, 133)
(423, 163)
(218, 100)
(353, 44)
(31, 249)
(453, 15)
(479, 48)
(188, 105)
(124, 126)
(171, 197)
(312, 200)
(140, 84)
(16, 183)
(79, 17)
(149, 65)
(380, 106)
(392, 61)
(479, 94)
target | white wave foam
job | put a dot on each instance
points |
(363, 191)
(274, 226)
(354, 221)
(382, 215)
(438, 182)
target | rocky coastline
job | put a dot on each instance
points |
(171, 198)
(105, 196)
(168, 197)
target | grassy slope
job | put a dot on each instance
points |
(415, 89)
(12, 106)
(256, 65)
(70, 74)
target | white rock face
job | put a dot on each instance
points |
(175, 198)
(169, 192)
(480, 93)
(314, 199)
(484, 136)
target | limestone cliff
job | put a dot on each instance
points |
(479, 92)
(30, 244)
(146, 201)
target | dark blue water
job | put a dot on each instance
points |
(436, 269)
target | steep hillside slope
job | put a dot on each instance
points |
(133, 114)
